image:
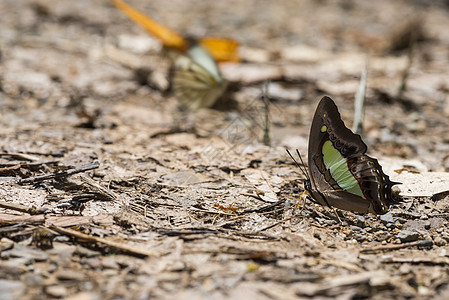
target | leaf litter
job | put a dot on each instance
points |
(109, 191)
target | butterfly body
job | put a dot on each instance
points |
(341, 174)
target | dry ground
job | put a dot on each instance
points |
(183, 205)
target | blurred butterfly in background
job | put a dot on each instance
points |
(197, 81)
(340, 174)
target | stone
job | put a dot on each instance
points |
(330, 222)
(360, 237)
(381, 236)
(440, 241)
(6, 244)
(93, 262)
(34, 280)
(11, 289)
(82, 251)
(356, 229)
(12, 268)
(408, 236)
(84, 296)
(22, 251)
(109, 262)
(445, 236)
(58, 291)
(70, 274)
(387, 218)
(360, 221)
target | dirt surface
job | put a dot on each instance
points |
(118, 194)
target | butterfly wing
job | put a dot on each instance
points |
(328, 133)
(221, 49)
(197, 80)
(342, 175)
(168, 37)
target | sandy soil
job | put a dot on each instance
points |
(194, 205)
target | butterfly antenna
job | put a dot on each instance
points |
(304, 172)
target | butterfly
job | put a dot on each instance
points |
(340, 174)
(197, 80)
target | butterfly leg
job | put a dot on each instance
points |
(298, 203)
(336, 213)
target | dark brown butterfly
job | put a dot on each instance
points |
(341, 175)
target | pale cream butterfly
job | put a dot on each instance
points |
(197, 81)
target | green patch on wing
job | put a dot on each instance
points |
(338, 168)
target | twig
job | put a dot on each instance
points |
(120, 246)
(275, 224)
(211, 211)
(64, 173)
(266, 132)
(405, 74)
(23, 156)
(261, 209)
(104, 191)
(359, 103)
(19, 220)
(418, 260)
(423, 243)
(22, 208)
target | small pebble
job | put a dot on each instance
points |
(330, 222)
(440, 242)
(356, 228)
(11, 289)
(320, 220)
(70, 274)
(445, 236)
(109, 263)
(61, 239)
(33, 280)
(341, 236)
(381, 236)
(25, 252)
(57, 291)
(401, 220)
(387, 218)
(360, 221)
(408, 236)
(82, 251)
(6, 244)
(93, 262)
(381, 227)
(391, 225)
(13, 267)
(360, 237)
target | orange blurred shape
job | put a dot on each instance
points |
(221, 49)
(168, 37)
